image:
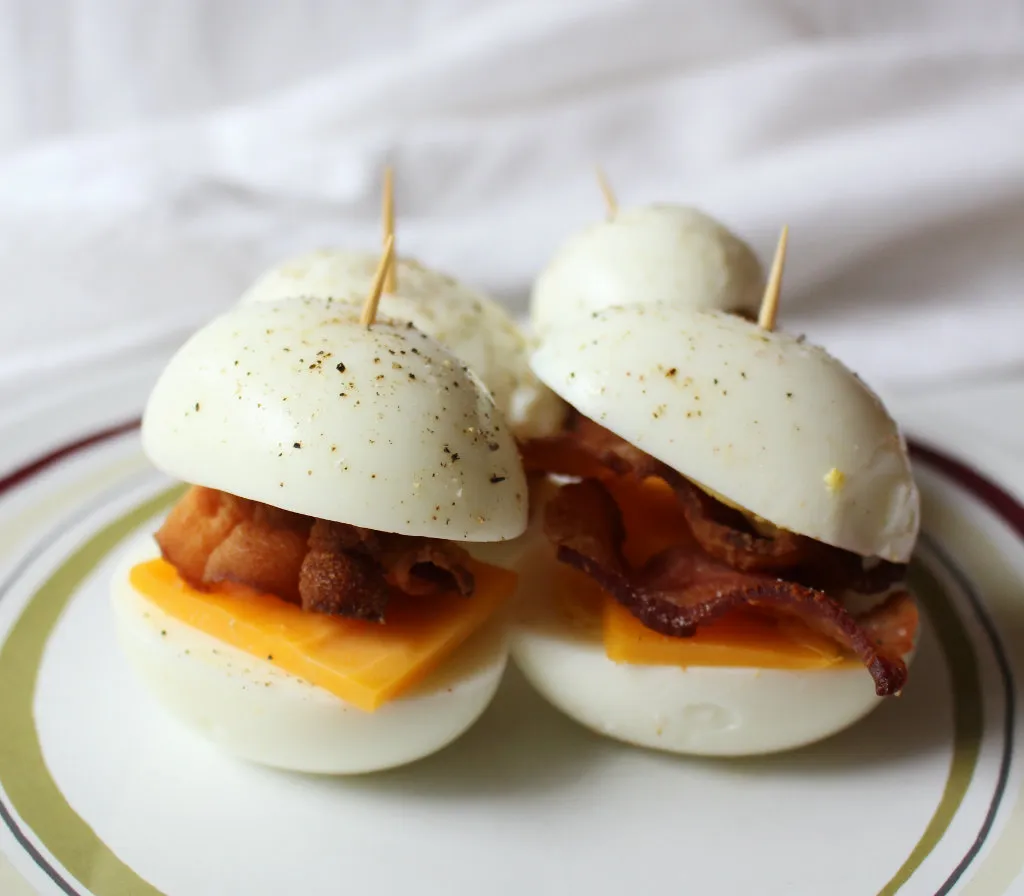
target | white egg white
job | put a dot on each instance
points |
(766, 420)
(298, 405)
(660, 253)
(255, 711)
(702, 711)
(471, 325)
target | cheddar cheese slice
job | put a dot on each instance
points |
(363, 663)
(738, 639)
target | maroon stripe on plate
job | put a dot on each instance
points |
(996, 498)
(32, 468)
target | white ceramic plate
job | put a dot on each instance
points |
(101, 793)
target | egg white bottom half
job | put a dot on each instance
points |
(258, 712)
(698, 710)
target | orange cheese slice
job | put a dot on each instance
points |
(738, 639)
(652, 516)
(363, 663)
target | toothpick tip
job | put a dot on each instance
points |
(369, 314)
(611, 204)
(388, 224)
(770, 302)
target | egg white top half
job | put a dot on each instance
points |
(474, 327)
(297, 405)
(769, 421)
(659, 253)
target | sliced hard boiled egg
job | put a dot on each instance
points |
(251, 708)
(704, 710)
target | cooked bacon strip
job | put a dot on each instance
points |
(262, 557)
(683, 586)
(892, 624)
(326, 567)
(614, 452)
(427, 568)
(726, 535)
(721, 530)
(832, 569)
(586, 449)
(200, 521)
(340, 579)
(584, 519)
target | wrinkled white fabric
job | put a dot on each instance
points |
(895, 155)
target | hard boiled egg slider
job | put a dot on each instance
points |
(725, 573)
(657, 253)
(468, 323)
(313, 602)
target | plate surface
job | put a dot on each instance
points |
(101, 793)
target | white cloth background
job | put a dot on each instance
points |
(155, 156)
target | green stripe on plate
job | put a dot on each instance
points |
(29, 786)
(967, 718)
(39, 802)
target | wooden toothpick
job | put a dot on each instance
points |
(610, 202)
(770, 302)
(388, 219)
(369, 314)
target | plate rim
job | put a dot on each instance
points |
(997, 499)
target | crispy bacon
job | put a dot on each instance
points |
(327, 567)
(726, 535)
(614, 452)
(340, 577)
(684, 586)
(584, 520)
(893, 623)
(426, 568)
(721, 531)
(264, 551)
(196, 525)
